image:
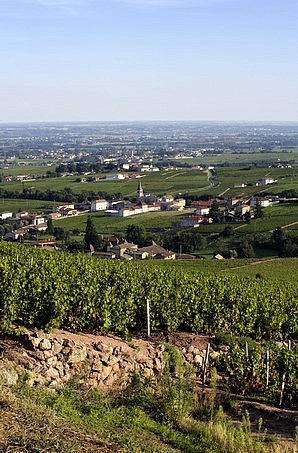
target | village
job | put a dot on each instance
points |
(35, 226)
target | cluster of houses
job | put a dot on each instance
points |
(232, 210)
(125, 208)
(10, 178)
(258, 183)
(126, 251)
(144, 204)
(23, 222)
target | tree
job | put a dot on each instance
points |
(91, 236)
(75, 247)
(136, 234)
(246, 250)
(50, 226)
(215, 213)
(184, 241)
(59, 233)
(247, 217)
(228, 231)
(278, 237)
(258, 214)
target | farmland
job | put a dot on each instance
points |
(15, 205)
(163, 182)
(274, 268)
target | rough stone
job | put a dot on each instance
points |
(45, 344)
(61, 369)
(39, 355)
(97, 365)
(35, 341)
(8, 375)
(48, 354)
(106, 372)
(105, 358)
(52, 374)
(157, 364)
(100, 346)
(52, 361)
(77, 355)
(57, 347)
(198, 360)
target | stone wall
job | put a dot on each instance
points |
(101, 362)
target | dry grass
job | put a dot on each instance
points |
(27, 427)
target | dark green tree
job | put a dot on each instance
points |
(215, 213)
(59, 233)
(278, 237)
(75, 246)
(258, 212)
(50, 226)
(247, 217)
(91, 235)
(227, 231)
(246, 250)
(136, 234)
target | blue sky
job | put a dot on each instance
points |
(148, 60)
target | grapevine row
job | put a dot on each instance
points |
(53, 290)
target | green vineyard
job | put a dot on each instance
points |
(55, 290)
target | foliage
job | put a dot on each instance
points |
(185, 241)
(245, 250)
(245, 366)
(136, 234)
(54, 289)
(91, 236)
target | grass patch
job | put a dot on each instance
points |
(168, 416)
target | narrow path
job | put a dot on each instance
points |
(176, 174)
(240, 226)
(249, 264)
(289, 225)
(225, 191)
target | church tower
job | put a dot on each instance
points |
(140, 192)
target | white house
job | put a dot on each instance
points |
(265, 181)
(117, 177)
(5, 215)
(99, 205)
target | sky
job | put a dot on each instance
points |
(135, 60)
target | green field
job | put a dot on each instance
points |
(243, 157)
(283, 215)
(33, 168)
(107, 225)
(193, 182)
(15, 205)
(227, 177)
(285, 269)
(171, 182)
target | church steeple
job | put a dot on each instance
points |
(140, 192)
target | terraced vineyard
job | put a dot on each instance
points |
(49, 290)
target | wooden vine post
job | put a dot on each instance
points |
(206, 363)
(148, 318)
